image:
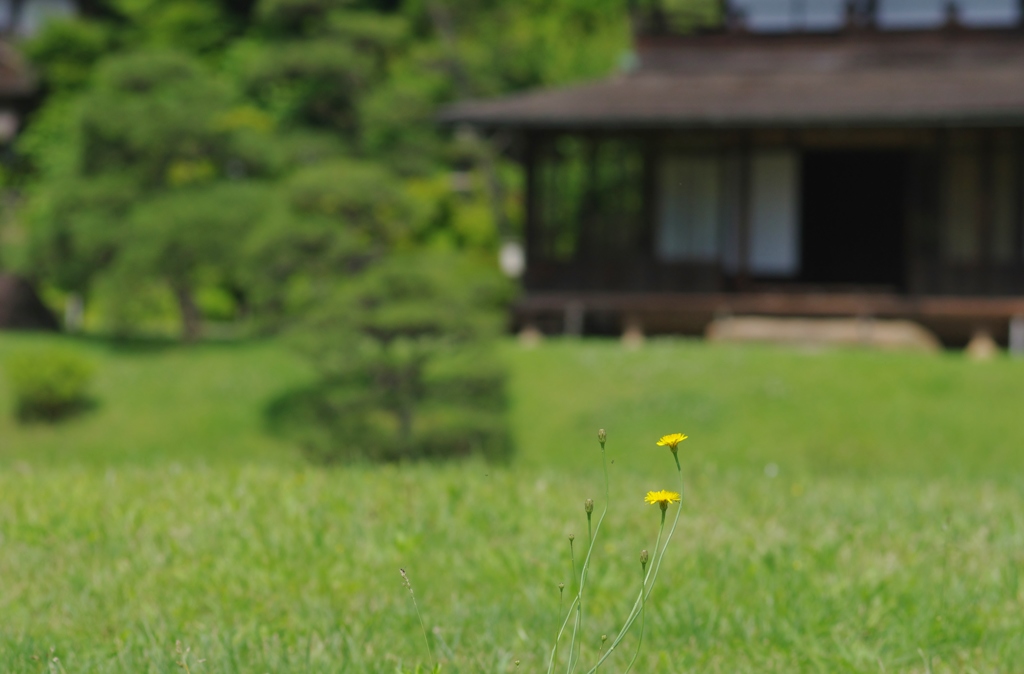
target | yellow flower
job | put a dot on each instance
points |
(671, 441)
(662, 498)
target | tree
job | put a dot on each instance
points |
(408, 369)
(190, 238)
(329, 221)
(140, 177)
(309, 62)
(154, 104)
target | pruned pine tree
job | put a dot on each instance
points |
(407, 362)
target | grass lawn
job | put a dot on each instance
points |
(843, 511)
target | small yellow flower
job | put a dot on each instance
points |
(662, 498)
(671, 441)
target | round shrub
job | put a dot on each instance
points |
(49, 384)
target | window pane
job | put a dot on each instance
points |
(775, 216)
(911, 13)
(689, 209)
(36, 13)
(5, 14)
(990, 12)
(1004, 204)
(962, 194)
(824, 14)
(932, 13)
(768, 16)
(589, 196)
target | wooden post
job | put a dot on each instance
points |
(591, 229)
(1018, 196)
(986, 211)
(1016, 341)
(912, 188)
(573, 321)
(870, 10)
(744, 215)
(647, 238)
(725, 13)
(940, 206)
(531, 228)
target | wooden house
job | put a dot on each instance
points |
(801, 158)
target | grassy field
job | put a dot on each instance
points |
(843, 511)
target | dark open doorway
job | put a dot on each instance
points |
(852, 229)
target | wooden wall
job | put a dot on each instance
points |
(599, 217)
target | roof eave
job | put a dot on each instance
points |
(965, 120)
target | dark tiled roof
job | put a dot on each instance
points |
(942, 78)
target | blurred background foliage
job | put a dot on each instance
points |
(268, 166)
(257, 150)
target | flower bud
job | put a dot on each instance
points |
(604, 638)
(561, 586)
(602, 437)
(588, 505)
(572, 537)
(643, 557)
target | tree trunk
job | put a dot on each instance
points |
(191, 320)
(21, 308)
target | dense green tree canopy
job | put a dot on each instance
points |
(160, 114)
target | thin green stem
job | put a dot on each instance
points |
(641, 600)
(643, 611)
(586, 570)
(652, 574)
(671, 531)
(573, 653)
(423, 628)
(579, 603)
(572, 559)
(558, 637)
(586, 566)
